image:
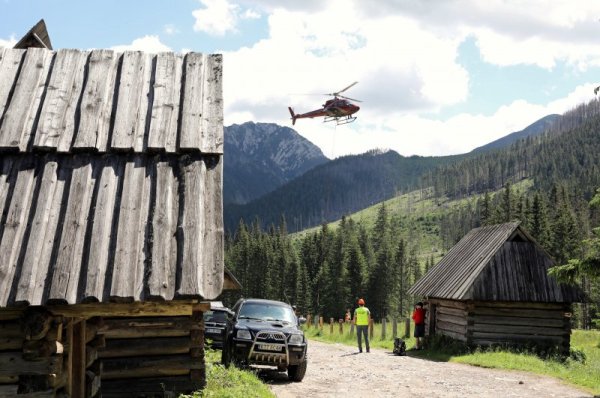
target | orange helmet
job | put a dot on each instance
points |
(361, 302)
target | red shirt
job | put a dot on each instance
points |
(418, 316)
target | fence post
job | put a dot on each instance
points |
(330, 325)
(308, 320)
(341, 321)
(321, 323)
(383, 325)
(407, 327)
(371, 329)
(394, 328)
(351, 328)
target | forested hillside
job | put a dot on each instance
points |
(342, 186)
(545, 182)
(567, 153)
(351, 183)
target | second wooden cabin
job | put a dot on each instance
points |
(493, 288)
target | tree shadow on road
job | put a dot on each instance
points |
(426, 355)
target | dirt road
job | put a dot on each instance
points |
(336, 370)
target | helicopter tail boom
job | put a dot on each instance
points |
(293, 115)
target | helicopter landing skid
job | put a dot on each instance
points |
(340, 120)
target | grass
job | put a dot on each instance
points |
(419, 214)
(230, 382)
(582, 369)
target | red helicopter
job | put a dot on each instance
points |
(338, 109)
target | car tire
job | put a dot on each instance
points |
(226, 355)
(297, 372)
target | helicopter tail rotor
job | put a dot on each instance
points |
(293, 115)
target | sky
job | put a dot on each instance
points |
(435, 77)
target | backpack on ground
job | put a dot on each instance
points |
(399, 346)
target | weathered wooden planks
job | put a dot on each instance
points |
(97, 101)
(151, 366)
(159, 385)
(202, 228)
(145, 346)
(202, 108)
(13, 364)
(165, 107)
(37, 257)
(80, 100)
(57, 124)
(85, 228)
(162, 280)
(102, 228)
(22, 177)
(128, 270)
(20, 116)
(65, 279)
(134, 101)
(10, 60)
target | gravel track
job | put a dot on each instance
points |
(336, 370)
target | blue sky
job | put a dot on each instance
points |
(435, 77)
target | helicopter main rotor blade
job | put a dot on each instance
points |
(341, 91)
(348, 98)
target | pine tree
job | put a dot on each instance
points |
(486, 210)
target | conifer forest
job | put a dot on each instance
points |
(325, 270)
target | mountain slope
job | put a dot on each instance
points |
(259, 157)
(534, 129)
(336, 188)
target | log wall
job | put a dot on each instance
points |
(501, 323)
(47, 354)
(151, 355)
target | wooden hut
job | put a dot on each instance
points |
(493, 288)
(111, 227)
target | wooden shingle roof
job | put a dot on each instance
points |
(110, 176)
(500, 263)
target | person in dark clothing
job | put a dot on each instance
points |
(418, 317)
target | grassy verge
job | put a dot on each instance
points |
(230, 382)
(582, 369)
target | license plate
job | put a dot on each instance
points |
(269, 347)
(214, 331)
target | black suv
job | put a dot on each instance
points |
(214, 323)
(265, 332)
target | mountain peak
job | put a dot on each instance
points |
(260, 157)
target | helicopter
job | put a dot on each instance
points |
(338, 109)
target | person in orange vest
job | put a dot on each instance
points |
(418, 317)
(362, 319)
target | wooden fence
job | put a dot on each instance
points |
(342, 325)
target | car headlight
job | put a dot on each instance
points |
(243, 334)
(296, 339)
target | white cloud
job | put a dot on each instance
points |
(8, 43)
(405, 56)
(216, 18)
(171, 29)
(219, 17)
(148, 43)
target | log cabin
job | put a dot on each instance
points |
(493, 288)
(111, 224)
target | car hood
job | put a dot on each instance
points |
(256, 326)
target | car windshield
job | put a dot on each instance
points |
(267, 312)
(215, 316)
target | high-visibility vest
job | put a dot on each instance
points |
(362, 316)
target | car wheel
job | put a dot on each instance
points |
(297, 372)
(226, 355)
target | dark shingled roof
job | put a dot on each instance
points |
(495, 263)
(110, 176)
